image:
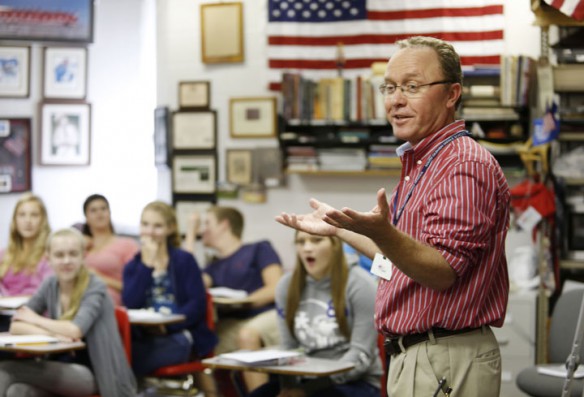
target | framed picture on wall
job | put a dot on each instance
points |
(65, 133)
(161, 136)
(239, 164)
(253, 117)
(65, 73)
(14, 72)
(42, 20)
(194, 94)
(194, 174)
(222, 32)
(194, 130)
(15, 155)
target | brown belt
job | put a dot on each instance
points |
(392, 345)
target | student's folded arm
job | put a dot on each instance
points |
(271, 274)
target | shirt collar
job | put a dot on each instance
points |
(429, 142)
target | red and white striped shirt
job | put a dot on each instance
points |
(461, 208)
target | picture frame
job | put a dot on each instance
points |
(40, 20)
(194, 94)
(15, 155)
(185, 208)
(65, 134)
(239, 163)
(65, 73)
(194, 174)
(161, 136)
(253, 117)
(14, 72)
(194, 130)
(222, 33)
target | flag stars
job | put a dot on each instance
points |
(291, 13)
(337, 13)
(306, 14)
(313, 6)
(329, 6)
(354, 11)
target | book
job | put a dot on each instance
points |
(264, 357)
(13, 302)
(559, 370)
(26, 340)
(225, 292)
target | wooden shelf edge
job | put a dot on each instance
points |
(571, 264)
(396, 172)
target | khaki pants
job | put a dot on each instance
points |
(265, 323)
(470, 362)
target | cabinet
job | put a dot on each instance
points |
(517, 339)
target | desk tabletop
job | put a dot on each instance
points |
(43, 348)
(13, 302)
(307, 366)
(148, 318)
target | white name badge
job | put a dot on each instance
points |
(382, 267)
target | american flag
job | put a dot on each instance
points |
(572, 8)
(304, 35)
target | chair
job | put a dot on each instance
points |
(123, 321)
(188, 368)
(561, 337)
(384, 362)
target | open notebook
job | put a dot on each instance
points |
(263, 357)
(559, 370)
(26, 340)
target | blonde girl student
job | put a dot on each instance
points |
(23, 265)
(326, 308)
(166, 279)
(72, 304)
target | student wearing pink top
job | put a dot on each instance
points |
(23, 265)
(107, 253)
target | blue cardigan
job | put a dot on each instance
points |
(189, 291)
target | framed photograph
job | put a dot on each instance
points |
(269, 167)
(65, 133)
(222, 32)
(184, 209)
(194, 94)
(239, 164)
(194, 174)
(65, 73)
(42, 20)
(194, 130)
(253, 117)
(15, 155)
(161, 136)
(14, 72)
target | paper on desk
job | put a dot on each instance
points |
(144, 314)
(13, 302)
(227, 292)
(15, 340)
(559, 370)
(263, 357)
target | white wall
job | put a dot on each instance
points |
(122, 92)
(127, 81)
(180, 59)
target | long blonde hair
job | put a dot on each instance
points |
(339, 271)
(82, 280)
(16, 258)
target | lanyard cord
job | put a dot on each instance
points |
(397, 214)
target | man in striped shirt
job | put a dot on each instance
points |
(439, 241)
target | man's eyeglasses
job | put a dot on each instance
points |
(410, 90)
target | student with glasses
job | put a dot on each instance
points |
(438, 242)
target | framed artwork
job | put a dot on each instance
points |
(269, 167)
(239, 164)
(161, 136)
(194, 174)
(184, 209)
(222, 32)
(65, 73)
(14, 72)
(194, 130)
(65, 133)
(42, 20)
(253, 117)
(15, 155)
(194, 94)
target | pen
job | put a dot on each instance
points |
(31, 343)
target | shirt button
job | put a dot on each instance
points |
(419, 162)
(407, 178)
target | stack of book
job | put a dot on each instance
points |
(301, 158)
(342, 159)
(381, 157)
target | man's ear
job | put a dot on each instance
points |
(455, 91)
